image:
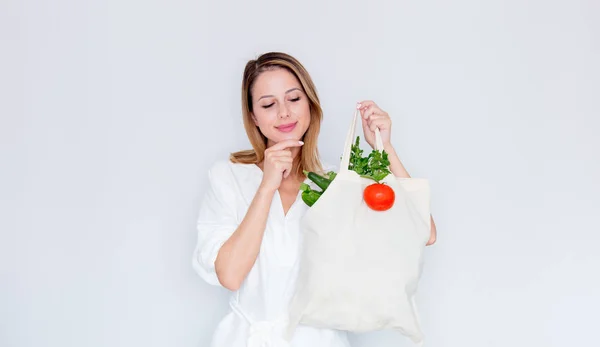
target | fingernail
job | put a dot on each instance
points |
(300, 142)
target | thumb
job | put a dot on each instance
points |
(365, 126)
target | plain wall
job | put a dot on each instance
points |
(112, 112)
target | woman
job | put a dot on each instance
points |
(249, 222)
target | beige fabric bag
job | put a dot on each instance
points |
(359, 268)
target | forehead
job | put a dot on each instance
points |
(274, 82)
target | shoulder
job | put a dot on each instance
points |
(224, 171)
(222, 181)
(220, 169)
(234, 182)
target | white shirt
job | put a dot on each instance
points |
(259, 308)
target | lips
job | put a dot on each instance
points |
(286, 128)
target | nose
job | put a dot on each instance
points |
(284, 112)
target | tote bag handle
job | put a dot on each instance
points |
(350, 137)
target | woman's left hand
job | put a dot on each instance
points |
(374, 117)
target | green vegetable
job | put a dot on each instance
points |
(375, 166)
(309, 196)
(319, 180)
(331, 175)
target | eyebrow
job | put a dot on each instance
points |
(272, 96)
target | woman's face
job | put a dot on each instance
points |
(280, 107)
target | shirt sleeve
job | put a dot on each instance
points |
(217, 220)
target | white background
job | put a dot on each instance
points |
(112, 112)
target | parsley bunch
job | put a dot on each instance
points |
(375, 166)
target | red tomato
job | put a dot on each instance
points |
(379, 197)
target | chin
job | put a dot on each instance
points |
(289, 137)
(294, 135)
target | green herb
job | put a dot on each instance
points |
(375, 166)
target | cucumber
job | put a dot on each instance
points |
(319, 180)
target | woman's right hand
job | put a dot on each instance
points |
(278, 164)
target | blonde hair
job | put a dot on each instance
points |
(309, 155)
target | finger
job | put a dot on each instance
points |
(370, 105)
(285, 144)
(365, 103)
(283, 165)
(278, 154)
(287, 171)
(361, 110)
(284, 160)
(369, 112)
(364, 113)
(381, 124)
(372, 110)
(376, 117)
(374, 123)
(373, 126)
(365, 124)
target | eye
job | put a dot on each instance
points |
(295, 99)
(269, 105)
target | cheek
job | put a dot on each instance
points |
(302, 110)
(262, 117)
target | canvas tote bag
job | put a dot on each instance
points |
(359, 268)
